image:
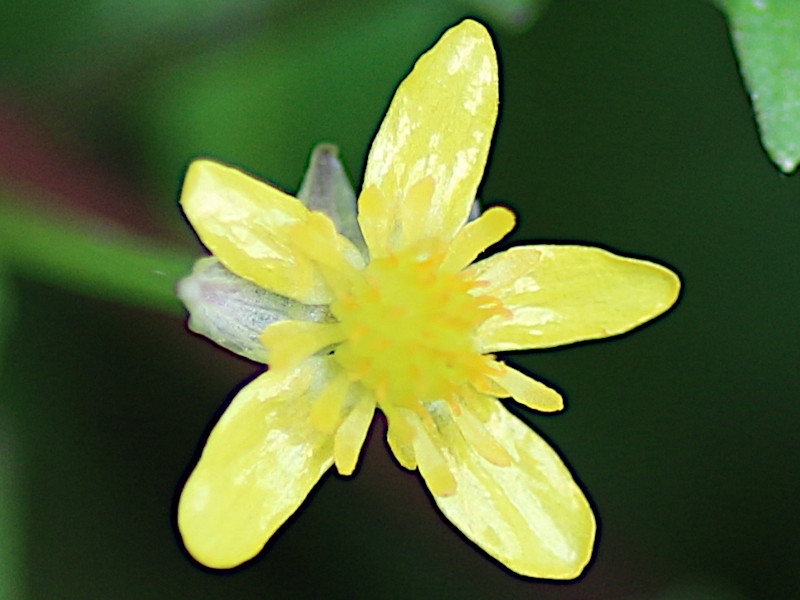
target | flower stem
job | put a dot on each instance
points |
(92, 258)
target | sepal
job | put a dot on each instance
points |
(326, 188)
(234, 312)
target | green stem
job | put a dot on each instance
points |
(91, 258)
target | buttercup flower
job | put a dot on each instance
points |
(392, 313)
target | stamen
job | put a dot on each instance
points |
(409, 329)
(400, 436)
(318, 239)
(414, 211)
(527, 391)
(485, 385)
(373, 218)
(289, 343)
(479, 404)
(452, 402)
(326, 412)
(432, 463)
(351, 434)
(481, 440)
(476, 236)
(422, 412)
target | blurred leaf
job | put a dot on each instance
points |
(11, 546)
(700, 588)
(6, 307)
(263, 101)
(81, 42)
(10, 506)
(91, 258)
(516, 14)
(766, 35)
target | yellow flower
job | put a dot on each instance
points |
(409, 327)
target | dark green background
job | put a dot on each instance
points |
(623, 124)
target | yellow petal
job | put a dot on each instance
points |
(531, 515)
(527, 391)
(246, 224)
(260, 462)
(439, 124)
(564, 294)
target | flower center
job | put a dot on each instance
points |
(409, 330)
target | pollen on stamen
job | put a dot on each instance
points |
(410, 330)
(454, 404)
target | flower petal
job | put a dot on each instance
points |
(439, 124)
(247, 224)
(531, 515)
(260, 462)
(564, 294)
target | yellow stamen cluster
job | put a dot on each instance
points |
(409, 328)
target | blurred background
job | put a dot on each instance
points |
(624, 123)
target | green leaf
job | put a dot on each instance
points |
(766, 35)
(91, 258)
